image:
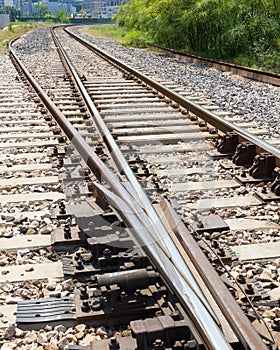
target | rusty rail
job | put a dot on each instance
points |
(231, 310)
(226, 302)
(137, 219)
(247, 72)
(210, 117)
(125, 202)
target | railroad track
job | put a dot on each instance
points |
(251, 73)
(125, 271)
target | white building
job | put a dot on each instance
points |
(4, 3)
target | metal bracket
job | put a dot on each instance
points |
(162, 333)
(244, 154)
(33, 314)
(228, 143)
(212, 223)
(263, 167)
(252, 288)
(120, 295)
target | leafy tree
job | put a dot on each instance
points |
(213, 28)
(49, 16)
(40, 10)
(62, 15)
(12, 11)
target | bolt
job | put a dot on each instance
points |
(138, 295)
(221, 251)
(175, 315)
(90, 186)
(62, 208)
(77, 256)
(68, 221)
(193, 118)
(215, 244)
(84, 294)
(241, 279)
(158, 344)
(191, 344)
(79, 265)
(107, 253)
(85, 306)
(249, 288)
(123, 296)
(67, 232)
(96, 304)
(202, 123)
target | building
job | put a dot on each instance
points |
(4, 3)
(94, 8)
(100, 8)
(54, 6)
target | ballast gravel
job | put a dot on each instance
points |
(254, 101)
(248, 99)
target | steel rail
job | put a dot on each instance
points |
(141, 203)
(249, 338)
(209, 330)
(120, 161)
(138, 200)
(215, 339)
(247, 72)
(94, 163)
(210, 117)
(231, 310)
(90, 158)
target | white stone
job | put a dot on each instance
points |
(51, 334)
(68, 285)
(34, 224)
(87, 340)
(46, 230)
(101, 331)
(52, 283)
(8, 346)
(62, 343)
(80, 327)
(42, 338)
(32, 336)
(60, 329)
(10, 331)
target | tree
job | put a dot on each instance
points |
(49, 16)
(213, 28)
(40, 10)
(12, 11)
(62, 15)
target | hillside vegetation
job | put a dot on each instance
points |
(244, 31)
(13, 31)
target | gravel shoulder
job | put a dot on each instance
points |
(254, 101)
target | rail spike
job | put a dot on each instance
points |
(263, 166)
(244, 154)
(228, 143)
(275, 186)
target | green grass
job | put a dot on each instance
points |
(137, 39)
(111, 31)
(121, 35)
(14, 30)
(269, 63)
